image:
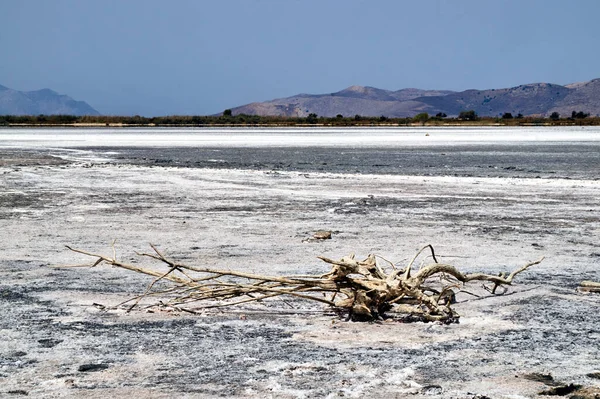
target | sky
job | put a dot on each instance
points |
(199, 57)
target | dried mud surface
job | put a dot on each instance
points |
(58, 341)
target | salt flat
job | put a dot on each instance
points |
(294, 137)
(219, 198)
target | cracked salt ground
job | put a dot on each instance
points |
(57, 343)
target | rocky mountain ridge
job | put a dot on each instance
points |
(38, 102)
(535, 99)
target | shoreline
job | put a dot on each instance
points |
(298, 125)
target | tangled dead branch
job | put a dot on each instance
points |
(363, 289)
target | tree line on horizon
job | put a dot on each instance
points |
(228, 119)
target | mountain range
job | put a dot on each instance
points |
(535, 99)
(45, 101)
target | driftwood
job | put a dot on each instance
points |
(589, 286)
(363, 289)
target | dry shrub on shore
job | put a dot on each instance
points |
(363, 290)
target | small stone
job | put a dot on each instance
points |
(92, 367)
(322, 235)
(432, 390)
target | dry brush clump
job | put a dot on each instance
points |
(364, 289)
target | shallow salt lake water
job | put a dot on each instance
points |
(533, 152)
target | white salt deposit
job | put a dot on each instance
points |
(289, 137)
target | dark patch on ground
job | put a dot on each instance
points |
(17, 204)
(49, 343)
(562, 390)
(498, 160)
(19, 158)
(18, 392)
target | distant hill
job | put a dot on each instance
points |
(45, 101)
(540, 99)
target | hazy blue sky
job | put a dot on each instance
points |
(153, 57)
